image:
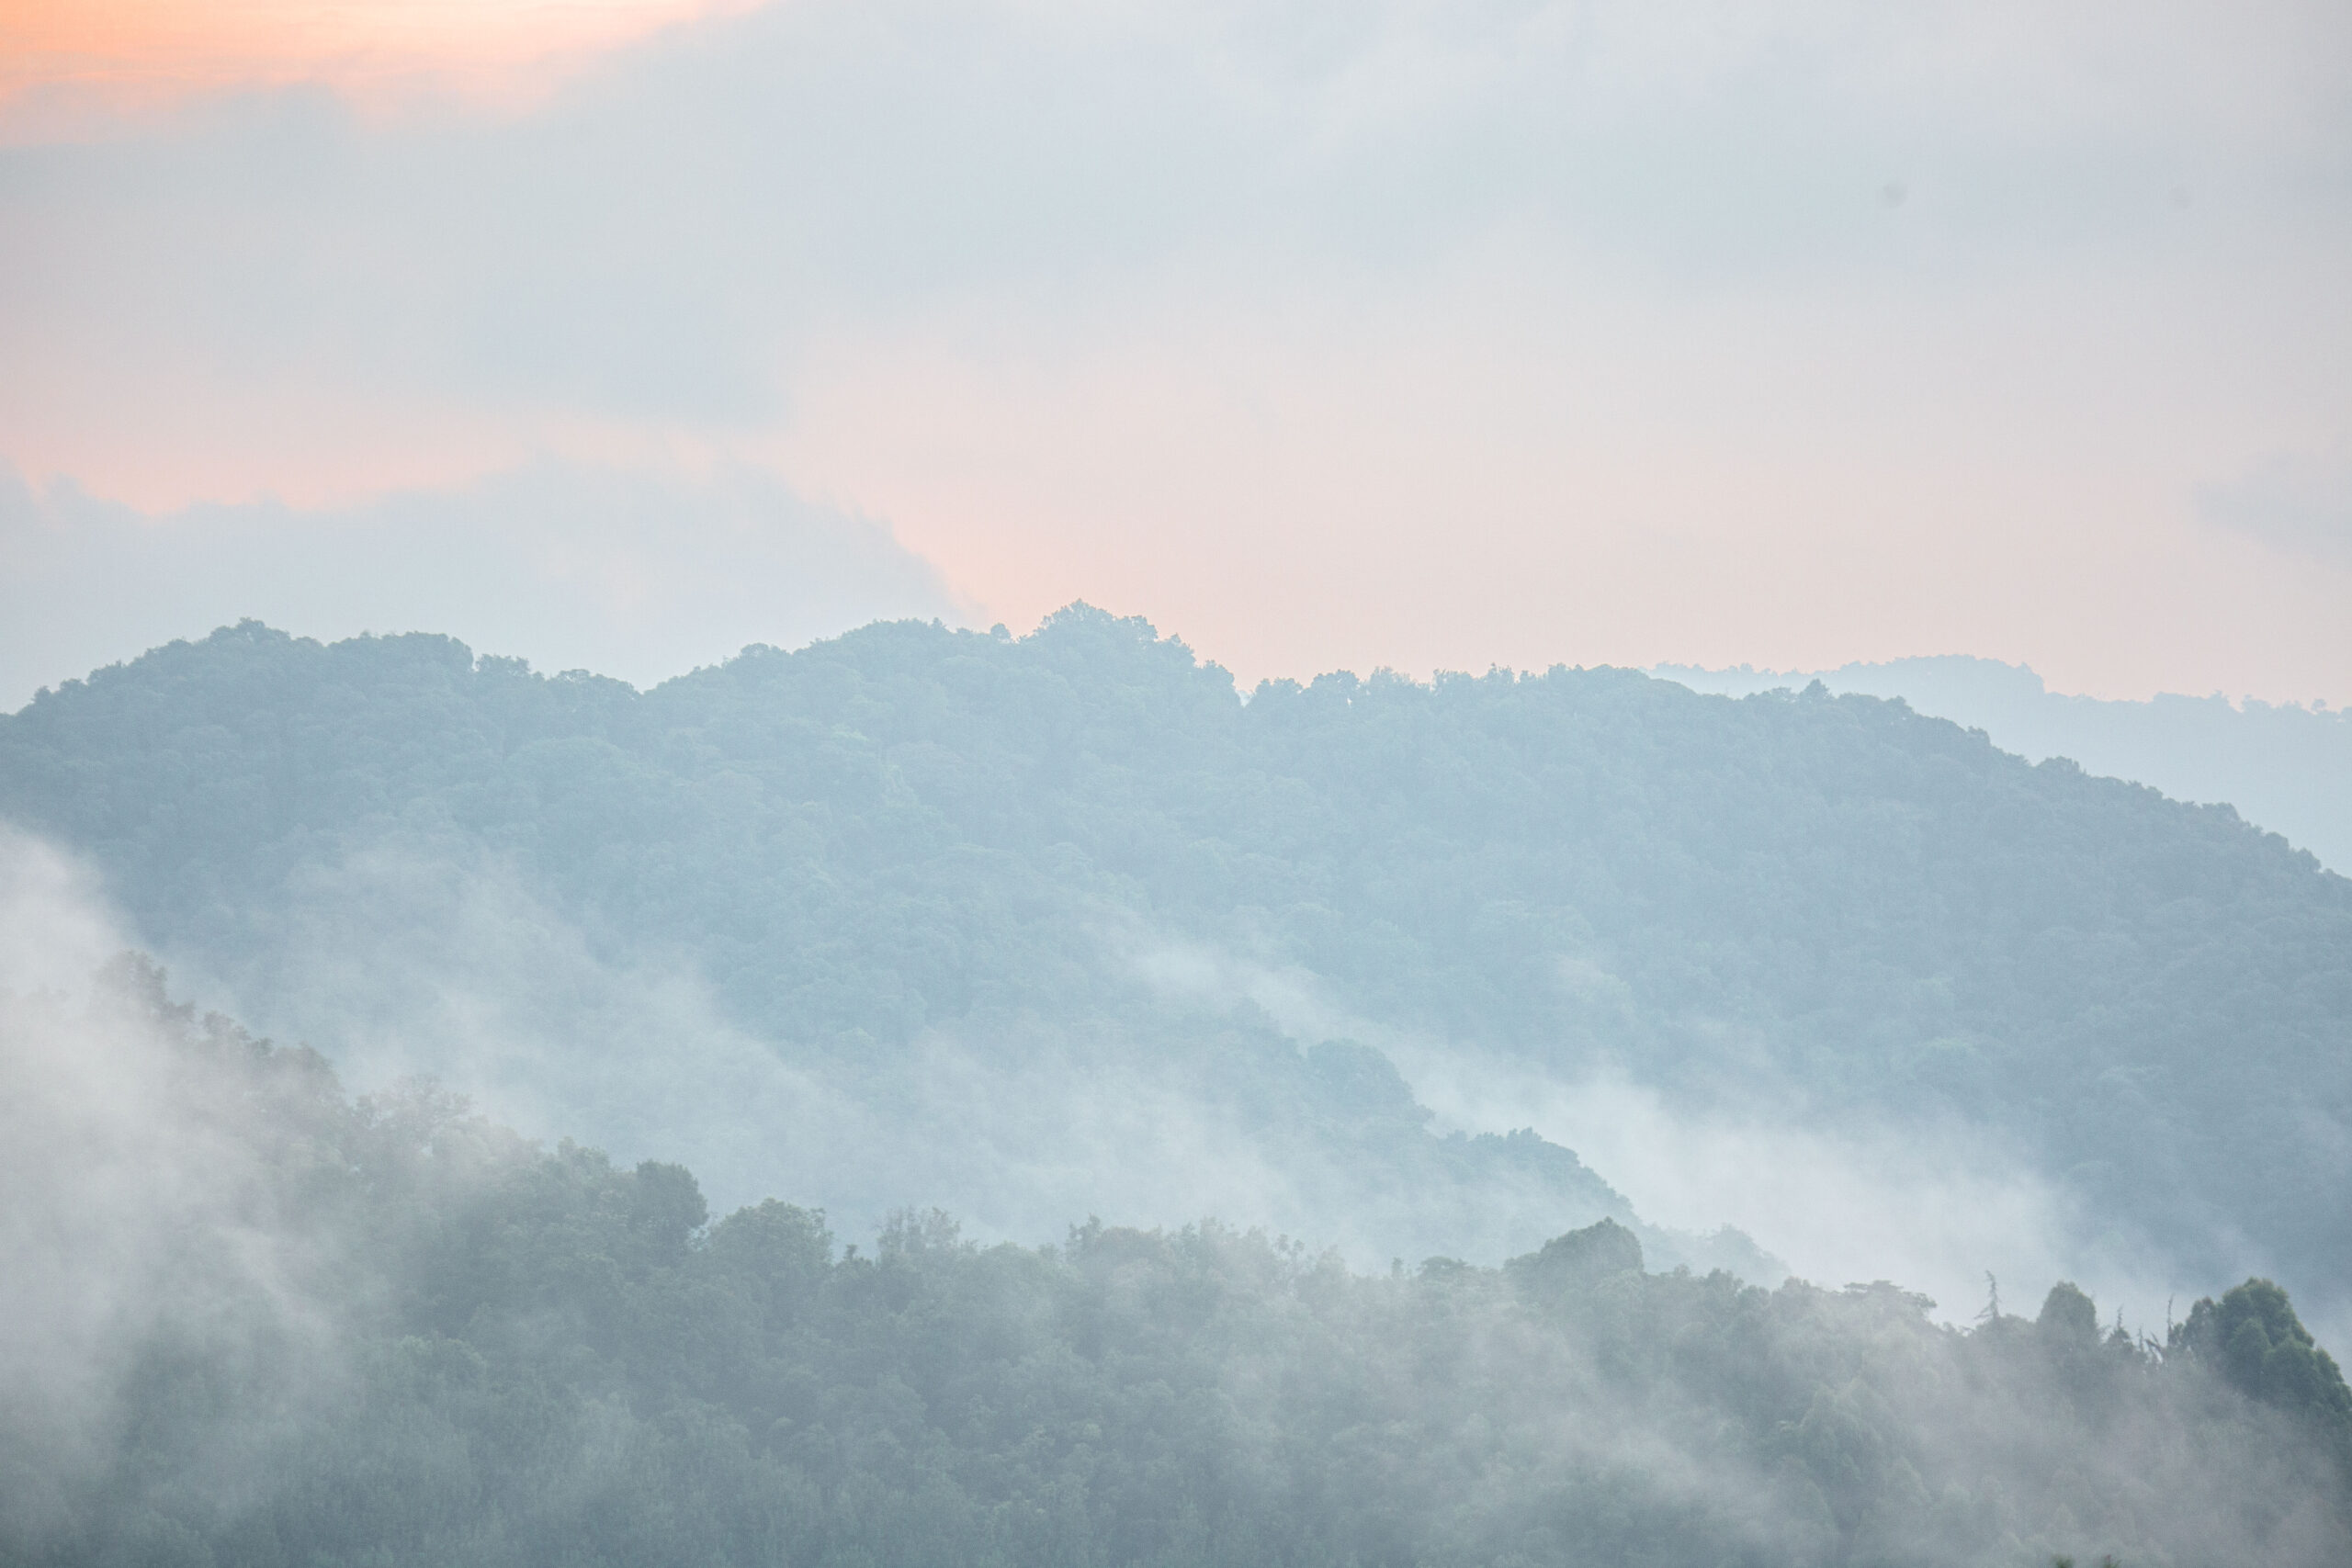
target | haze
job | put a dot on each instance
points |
(1506, 781)
(1407, 335)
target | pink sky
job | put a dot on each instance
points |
(143, 54)
(1433, 341)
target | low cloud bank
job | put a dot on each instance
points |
(1942, 1208)
(140, 1238)
(406, 959)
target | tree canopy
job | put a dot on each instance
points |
(404, 1335)
(1085, 861)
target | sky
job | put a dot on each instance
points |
(618, 334)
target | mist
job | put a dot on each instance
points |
(881, 784)
(144, 1227)
(732, 951)
(1554, 333)
(1942, 1209)
(405, 960)
(183, 1235)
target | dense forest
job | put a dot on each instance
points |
(297, 1329)
(2284, 765)
(985, 900)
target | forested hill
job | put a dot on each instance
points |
(1083, 848)
(302, 1331)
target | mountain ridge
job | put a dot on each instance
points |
(909, 835)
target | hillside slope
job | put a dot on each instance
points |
(1069, 900)
(2285, 766)
(389, 1332)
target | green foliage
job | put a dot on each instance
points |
(538, 1358)
(2254, 1339)
(2069, 1320)
(1578, 1259)
(910, 830)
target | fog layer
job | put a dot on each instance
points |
(1427, 336)
(920, 914)
(252, 1319)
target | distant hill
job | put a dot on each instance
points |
(923, 915)
(2284, 767)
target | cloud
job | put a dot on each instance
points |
(136, 1219)
(1512, 332)
(408, 956)
(1934, 1206)
(66, 63)
(641, 575)
(653, 242)
(2292, 501)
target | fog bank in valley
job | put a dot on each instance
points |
(1042, 927)
(242, 1314)
(411, 958)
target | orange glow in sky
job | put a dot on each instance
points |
(1448, 345)
(150, 51)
